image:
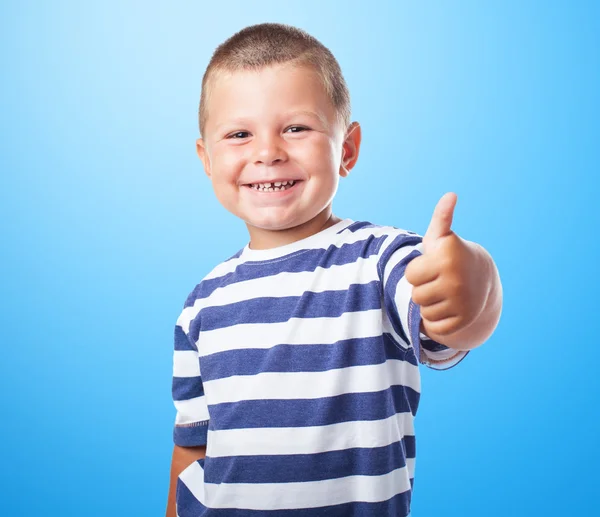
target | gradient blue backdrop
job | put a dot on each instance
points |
(108, 222)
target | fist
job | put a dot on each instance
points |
(445, 277)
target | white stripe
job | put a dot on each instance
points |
(386, 326)
(191, 410)
(295, 331)
(187, 316)
(364, 233)
(448, 358)
(402, 297)
(310, 494)
(396, 258)
(341, 239)
(310, 440)
(393, 234)
(186, 363)
(334, 278)
(410, 465)
(224, 268)
(292, 286)
(193, 478)
(313, 385)
(403, 292)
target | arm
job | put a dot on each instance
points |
(485, 274)
(456, 283)
(191, 421)
(183, 457)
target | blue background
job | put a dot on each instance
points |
(108, 221)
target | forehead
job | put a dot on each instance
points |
(268, 92)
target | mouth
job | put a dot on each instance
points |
(273, 186)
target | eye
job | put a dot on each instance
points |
(239, 134)
(296, 129)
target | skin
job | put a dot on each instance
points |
(456, 283)
(278, 123)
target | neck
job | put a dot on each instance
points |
(262, 239)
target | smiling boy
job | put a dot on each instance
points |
(295, 373)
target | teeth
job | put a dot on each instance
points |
(273, 186)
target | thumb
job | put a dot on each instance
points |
(441, 221)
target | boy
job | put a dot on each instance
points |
(296, 374)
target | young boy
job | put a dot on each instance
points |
(296, 376)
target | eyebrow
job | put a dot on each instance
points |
(243, 120)
(309, 113)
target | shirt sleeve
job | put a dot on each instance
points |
(191, 420)
(405, 315)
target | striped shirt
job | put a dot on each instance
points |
(297, 366)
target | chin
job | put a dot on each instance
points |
(272, 225)
(275, 222)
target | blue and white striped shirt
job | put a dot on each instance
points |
(297, 366)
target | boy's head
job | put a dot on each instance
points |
(275, 107)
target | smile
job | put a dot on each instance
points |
(273, 186)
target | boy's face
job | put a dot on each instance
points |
(275, 125)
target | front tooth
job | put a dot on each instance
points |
(278, 183)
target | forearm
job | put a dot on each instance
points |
(484, 323)
(183, 457)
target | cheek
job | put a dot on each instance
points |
(226, 165)
(322, 155)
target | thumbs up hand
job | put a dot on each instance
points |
(451, 279)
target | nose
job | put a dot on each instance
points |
(269, 150)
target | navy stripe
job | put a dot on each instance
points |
(357, 226)
(327, 304)
(187, 504)
(411, 356)
(302, 261)
(408, 354)
(410, 239)
(313, 412)
(398, 506)
(192, 297)
(301, 358)
(185, 388)
(191, 435)
(409, 444)
(414, 321)
(432, 346)
(296, 468)
(238, 254)
(181, 340)
(389, 294)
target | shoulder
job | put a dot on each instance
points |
(189, 318)
(378, 236)
(211, 281)
(384, 245)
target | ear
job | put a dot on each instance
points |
(203, 155)
(350, 148)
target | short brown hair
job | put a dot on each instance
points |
(267, 44)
